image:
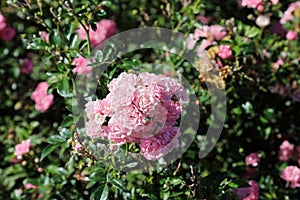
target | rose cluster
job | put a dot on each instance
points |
(291, 174)
(142, 109)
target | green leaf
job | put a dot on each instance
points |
(106, 3)
(68, 121)
(54, 38)
(233, 185)
(62, 172)
(176, 181)
(63, 87)
(267, 132)
(118, 183)
(252, 32)
(73, 40)
(48, 149)
(105, 192)
(97, 176)
(66, 133)
(56, 139)
(38, 44)
(60, 67)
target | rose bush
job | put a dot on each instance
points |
(45, 47)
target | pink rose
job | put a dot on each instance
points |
(140, 109)
(291, 174)
(7, 33)
(286, 150)
(83, 66)
(260, 8)
(225, 52)
(204, 44)
(203, 19)
(94, 129)
(144, 99)
(45, 36)
(30, 186)
(27, 66)
(248, 193)
(251, 3)
(292, 35)
(277, 64)
(2, 21)
(22, 148)
(105, 29)
(152, 148)
(274, 2)
(210, 33)
(78, 147)
(42, 99)
(252, 159)
(288, 14)
(218, 32)
(121, 90)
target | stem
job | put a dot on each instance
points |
(84, 27)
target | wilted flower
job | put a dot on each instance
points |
(7, 33)
(280, 89)
(27, 66)
(262, 20)
(296, 95)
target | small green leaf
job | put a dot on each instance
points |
(252, 32)
(97, 176)
(176, 181)
(56, 139)
(118, 183)
(105, 192)
(48, 149)
(63, 87)
(38, 44)
(54, 38)
(233, 185)
(68, 121)
(73, 40)
(66, 133)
